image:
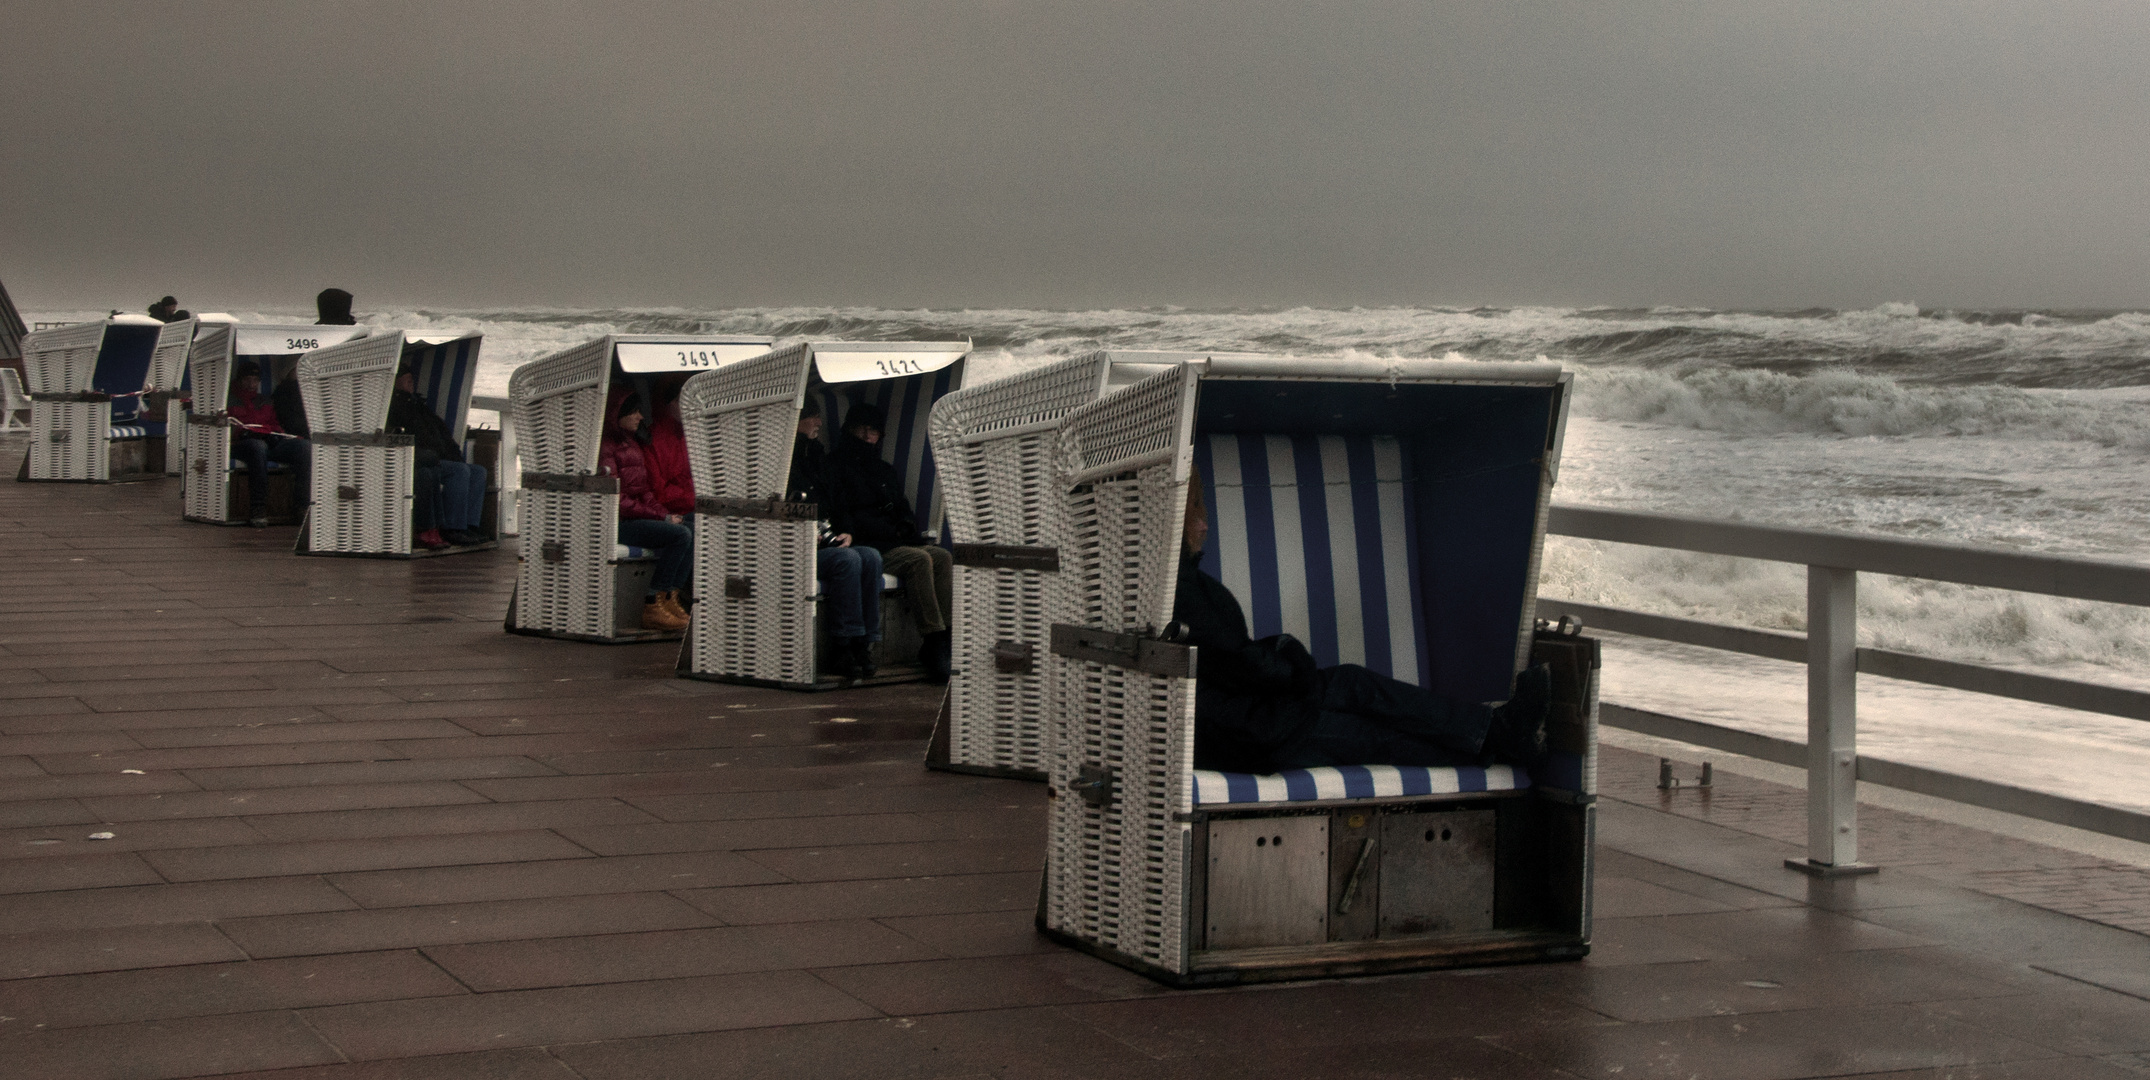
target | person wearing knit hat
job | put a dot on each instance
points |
(879, 514)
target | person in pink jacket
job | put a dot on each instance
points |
(667, 451)
(644, 521)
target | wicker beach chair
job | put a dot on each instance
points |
(212, 485)
(363, 477)
(994, 447)
(574, 579)
(1390, 514)
(757, 618)
(88, 383)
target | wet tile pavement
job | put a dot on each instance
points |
(359, 833)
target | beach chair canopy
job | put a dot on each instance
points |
(274, 348)
(559, 400)
(121, 357)
(347, 387)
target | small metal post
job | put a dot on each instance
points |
(510, 473)
(1832, 725)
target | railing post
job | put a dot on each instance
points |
(1832, 725)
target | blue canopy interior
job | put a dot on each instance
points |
(123, 365)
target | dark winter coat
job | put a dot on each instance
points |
(408, 414)
(624, 457)
(867, 493)
(1252, 698)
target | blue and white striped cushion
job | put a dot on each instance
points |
(622, 551)
(1213, 788)
(1313, 534)
(128, 431)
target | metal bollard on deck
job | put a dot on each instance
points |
(1832, 725)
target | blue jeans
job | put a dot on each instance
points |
(851, 583)
(673, 546)
(255, 454)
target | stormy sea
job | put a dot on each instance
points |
(2012, 428)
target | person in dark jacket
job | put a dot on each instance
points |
(447, 494)
(334, 305)
(644, 522)
(849, 574)
(877, 514)
(168, 310)
(1261, 706)
(259, 440)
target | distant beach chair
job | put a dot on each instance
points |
(757, 619)
(994, 444)
(87, 385)
(363, 477)
(212, 485)
(14, 403)
(573, 578)
(1388, 513)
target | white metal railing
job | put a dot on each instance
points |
(1830, 650)
(511, 475)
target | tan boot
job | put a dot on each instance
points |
(655, 617)
(670, 599)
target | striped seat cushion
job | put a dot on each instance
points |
(1213, 788)
(622, 551)
(137, 431)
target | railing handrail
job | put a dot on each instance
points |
(1833, 561)
(1964, 564)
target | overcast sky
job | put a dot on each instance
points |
(988, 153)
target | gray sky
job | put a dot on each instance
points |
(985, 153)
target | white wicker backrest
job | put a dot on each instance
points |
(168, 363)
(967, 423)
(740, 422)
(559, 403)
(63, 360)
(209, 363)
(346, 387)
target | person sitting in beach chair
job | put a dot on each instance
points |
(447, 493)
(260, 440)
(849, 573)
(869, 492)
(674, 476)
(644, 522)
(1264, 706)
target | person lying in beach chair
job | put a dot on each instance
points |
(261, 439)
(869, 494)
(644, 522)
(1263, 706)
(447, 493)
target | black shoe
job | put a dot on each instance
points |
(933, 656)
(258, 519)
(462, 537)
(862, 657)
(840, 662)
(1517, 734)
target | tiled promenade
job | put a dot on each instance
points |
(358, 832)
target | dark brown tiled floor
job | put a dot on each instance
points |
(370, 836)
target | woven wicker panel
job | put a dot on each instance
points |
(175, 438)
(62, 361)
(769, 634)
(740, 422)
(559, 404)
(1116, 873)
(70, 440)
(346, 387)
(209, 363)
(205, 478)
(377, 520)
(995, 486)
(570, 593)
(168, 362)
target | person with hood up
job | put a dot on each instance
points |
(448, 494)
(260, 439)
(167, 310)
(1262, 706)
(849, 573)
(674, 476)
(644, 522)
(878, 515)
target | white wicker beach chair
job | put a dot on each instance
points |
(14, 402)
(363, 477)
(87, 385)
(993, 444)
(574, 579)
(207, 492)
(1390, 514)
(756, 620)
